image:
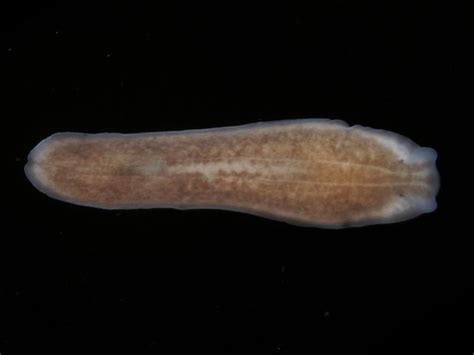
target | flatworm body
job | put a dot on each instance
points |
(311, 172)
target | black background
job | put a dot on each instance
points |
(172, 282)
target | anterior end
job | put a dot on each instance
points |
(421, 185)
(426, 171)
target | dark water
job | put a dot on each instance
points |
(171, 282)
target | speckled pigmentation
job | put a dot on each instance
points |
(312, 172)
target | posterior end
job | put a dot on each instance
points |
(38, 160)
(33, 168)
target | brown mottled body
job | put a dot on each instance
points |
(309, 172)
